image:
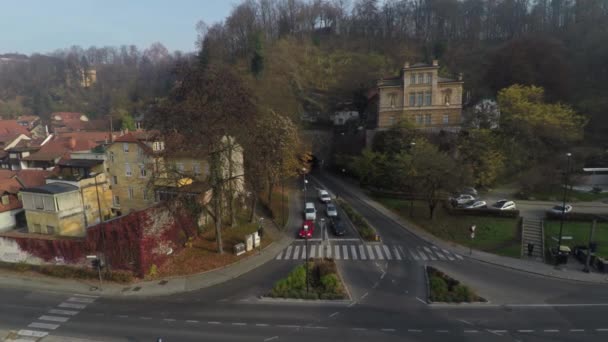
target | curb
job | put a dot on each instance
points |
(339, 302)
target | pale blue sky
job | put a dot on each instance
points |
(29, 26)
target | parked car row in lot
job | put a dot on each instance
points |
(468, 200)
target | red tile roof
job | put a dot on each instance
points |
(13, 203)
(11, 127)
(32, 178)
(64, 116)
(60, 146)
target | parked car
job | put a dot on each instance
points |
(504, 205)
(307, 230)
(558, 209)
(324, 196)
(461, 199)
(469, 191)
(475, 205)
(337, 226)
(331, 210)
(310, 212)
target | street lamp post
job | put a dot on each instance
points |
(306, 261)
(305, 182)
(561, 222)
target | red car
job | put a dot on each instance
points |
(308, 228)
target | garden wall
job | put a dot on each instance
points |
(133, 242)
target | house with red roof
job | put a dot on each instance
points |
(11, 183)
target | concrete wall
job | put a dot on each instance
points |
(8, 220)
(11, 252)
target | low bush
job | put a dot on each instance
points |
(363, 227)
(444, 288)
(324, 282)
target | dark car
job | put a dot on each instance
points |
(337, 226)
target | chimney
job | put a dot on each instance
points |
(46, 129)
(72, 143)
(460, 76)
(435, 62)
(406, 65)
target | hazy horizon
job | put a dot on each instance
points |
(36, 26)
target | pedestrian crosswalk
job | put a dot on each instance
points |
(369, 252)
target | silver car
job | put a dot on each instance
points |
(504, 205)
(331, 210)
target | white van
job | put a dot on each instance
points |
(310, 213)
(324, 196)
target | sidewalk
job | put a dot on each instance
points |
(512, 263)
(159, 287)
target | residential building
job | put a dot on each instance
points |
(420, 95)
(10, 206)
(28, 121)
(54, 209)
(62, 122)
(60, 146)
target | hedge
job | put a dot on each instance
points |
(481, 212)
(324, 282)
(443, 288)
(573, 216)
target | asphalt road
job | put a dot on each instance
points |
(386, 305)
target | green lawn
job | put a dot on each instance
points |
(580, 235)
(494, 235)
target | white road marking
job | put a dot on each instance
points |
(169, 320)
(72, 306)
(358, 329)
(63, 312)
(85, 295)
(382, 275)
(37, 325)
(288, 252)
(414, 330)
(414, 255)
(396, 251)
(123, 316)
(422, 255)
(362, 252)
(448, 254)
(328, 251)
(337, 252)
(379, 253)
(144, 317)
(214, 322)
(288, 326)
(577, 330)
(364, 295)
(239, 324)
(296, 253)
(54, 318)
(81, 300)
(304, 251)
(191, 321)
(370, 252)
(313, 251)
(388, 329)
(442, 331)
(353, 251)
(525, 331)
(430, 253)
(551, 330)
(387, 252)
(421, 301)
(279, 256)
(439, 254)
(465, 322)
(261, 325)
(333, 314)
(471, 331)
(315, 327)
(271, 338)
(601, 329)
(32, 333)
(345, 252)
(458, 256)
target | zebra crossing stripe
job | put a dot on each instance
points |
(353, 251)
(303, 252)
(362, 252)
(379, 252)
(296, 252)
(288, 252)
(439, 254)
(403, 253)
(313, 250)
(279, 256)
(370, 252)
(431, 255)
(387, 251)
(396, 251)
(458, 256)
(422, 255)
(337, 252)
(321, 251)
(449, 254)
(328, 251)
(344, 252)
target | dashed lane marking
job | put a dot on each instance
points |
(81, 300)
(53, 318)
(239, 324)
(63, 312)
(414, 330)
(388, 329)
(72, 306)
(471, 331)
(32, 333)
(214, 322)
(525, 331)
(333, 314)
(48, 326)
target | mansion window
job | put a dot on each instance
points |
(393, 99)
(391, 120)
(419, 119)
(420, 78)
(429, 78)
(142, 171)
(180, 167)
(128, 170)
(413, 79)
(427, 98)
(114, 180)
(130, 192)
(412, 99)
(427, 119)
(116, 201)
(446, 119)
(196, 167)
(420, 99)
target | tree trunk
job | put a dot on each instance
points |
(231, 210)
(270, 188)
(254, 204)
(215, 166)
(218, 224)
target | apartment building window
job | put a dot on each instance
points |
(114, 180)
(391, 120)
(116, 201)
(38, 203)
(446, 119)
(140, 152)
(128, 170)
(420, 100)
(427, 119)
(142, 171)
(393, 99)
(429, 78)
(196, 167)
(427, 98)
(180, 167)
(130, 192)
(419, 119)
(145, 194)
(111, 156)
(412, 99)
(125, 147)
(420, 78)
(37, 228)
(50, 230)
(5, 200)
(413, 79)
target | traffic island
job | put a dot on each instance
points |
(365, 230)
(324, 282)
(442, 288)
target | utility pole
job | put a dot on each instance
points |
(101, 228)
(306, 261)
(561, 222)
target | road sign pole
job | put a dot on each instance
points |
(588, 259)
(472, 230)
